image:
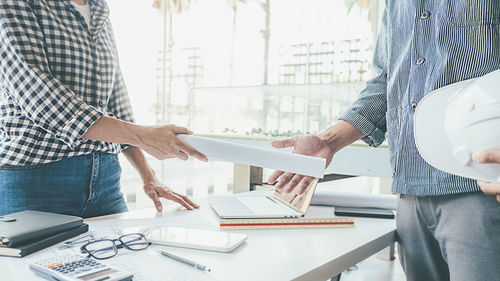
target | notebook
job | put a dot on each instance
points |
(32, 246)
(252, 206)
(17, 228)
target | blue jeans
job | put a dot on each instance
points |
(84, 186)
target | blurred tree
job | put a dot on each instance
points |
(363, 4)
(233, 4)
(174, 6)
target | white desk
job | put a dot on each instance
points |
(293, 254)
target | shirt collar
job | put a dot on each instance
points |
(99, 13)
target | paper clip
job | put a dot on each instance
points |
(68, 244)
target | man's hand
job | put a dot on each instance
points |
(156, 190)
(324, 145)
(488, 156)
(311, 145)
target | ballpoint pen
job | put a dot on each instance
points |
(186, 261)
(70, 243)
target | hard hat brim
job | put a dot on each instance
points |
(429, 129)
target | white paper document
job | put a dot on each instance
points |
(224, 150)
(352, 199)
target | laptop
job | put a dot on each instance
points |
(259, 205)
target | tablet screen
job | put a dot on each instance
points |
(196, 238)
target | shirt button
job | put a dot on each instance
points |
(425, 15)
(420, 61)
(100, 102)
(413, 106)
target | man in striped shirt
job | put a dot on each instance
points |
(447, 228)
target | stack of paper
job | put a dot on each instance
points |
(352, 199)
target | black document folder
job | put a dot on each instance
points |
(19, 228)
(364, 212)
(32, 246)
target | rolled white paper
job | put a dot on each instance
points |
(228, 151)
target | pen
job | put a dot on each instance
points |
(186, 261)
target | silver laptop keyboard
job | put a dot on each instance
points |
(265, 207)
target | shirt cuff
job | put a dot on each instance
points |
(71, 134)
(123, 147)
(374, 136)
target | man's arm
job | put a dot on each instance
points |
(365, 119)
(368, 112)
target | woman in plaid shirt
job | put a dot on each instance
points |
(65, 113)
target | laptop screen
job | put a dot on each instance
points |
(299, 203)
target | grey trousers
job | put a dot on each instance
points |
(451, 237)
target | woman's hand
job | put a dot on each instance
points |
(151, 185)
(159, 141)
(156, 190)
(162, 143)
(488, 156)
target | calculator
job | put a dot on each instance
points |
(78, 268)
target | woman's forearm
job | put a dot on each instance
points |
(137, 158)
(109, 129)
(159, 141)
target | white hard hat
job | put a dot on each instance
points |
(453, 122)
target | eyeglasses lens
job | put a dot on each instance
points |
(135, 241)
(102, 249)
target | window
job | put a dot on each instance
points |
(254, 68)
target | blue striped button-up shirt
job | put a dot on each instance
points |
(423, 46)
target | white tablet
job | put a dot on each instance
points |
(209, 240)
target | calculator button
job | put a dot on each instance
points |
(85, 268)
(54, 265)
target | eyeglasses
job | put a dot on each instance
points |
(107, 248)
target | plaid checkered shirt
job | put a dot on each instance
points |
(57, 77)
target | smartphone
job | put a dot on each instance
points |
(219, 241)
(364, 212)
